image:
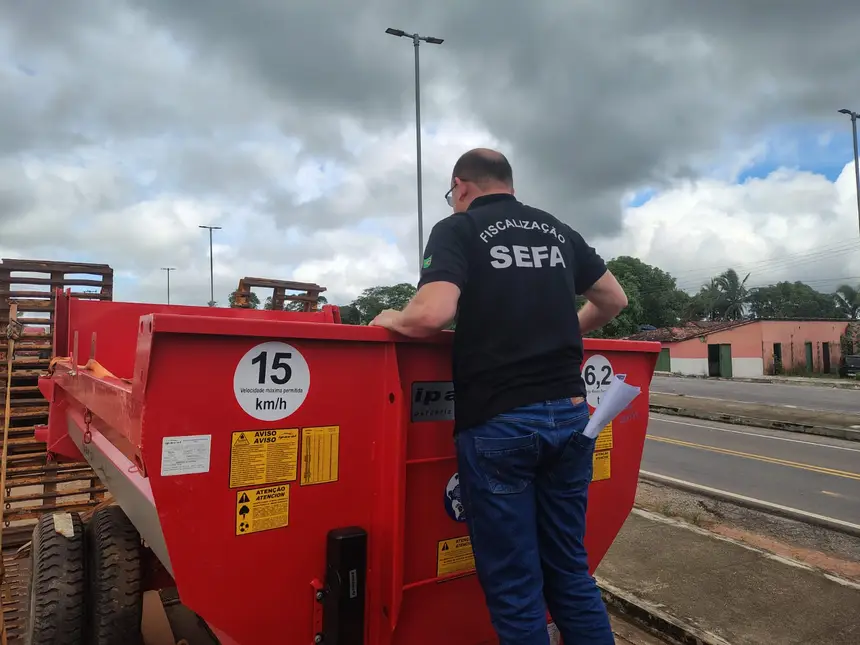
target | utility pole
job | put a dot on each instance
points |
(854, 116)
(211, 265)
(168, 270)
(416, 42)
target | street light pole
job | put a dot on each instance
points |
(168, 270)
(854, 116)
(416, 42)
(211, 265)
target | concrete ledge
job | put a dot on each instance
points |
(835, 432)
(795, 514)
(840, 384)
(653, 620)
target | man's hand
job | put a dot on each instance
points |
(429, 312)
(388, 319)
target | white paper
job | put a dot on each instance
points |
(616, 397)
(185, 455)
(63, 525)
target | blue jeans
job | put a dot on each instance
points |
(524, 478)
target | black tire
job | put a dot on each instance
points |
(114, 574)
(55, 613)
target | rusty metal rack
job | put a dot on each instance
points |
(307, 298)
(34, 484)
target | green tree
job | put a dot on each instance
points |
(349, 315)
(253, 300)
(735, 295)
(724, 297)
(663, 303)
(848, 301)
(791, 300)
(628, 321)
(705, 304)
(373, 300)
(292, 305)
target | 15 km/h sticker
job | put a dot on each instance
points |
(271, 381)
(260, 457)
(262, 509)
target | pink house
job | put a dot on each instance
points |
(749, 348)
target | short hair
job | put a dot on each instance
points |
(483, 166)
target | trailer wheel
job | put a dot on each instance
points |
(114, 574)
(55, 613)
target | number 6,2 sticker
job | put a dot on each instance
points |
(597, 374)
(271, 381)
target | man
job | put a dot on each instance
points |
(514, 272)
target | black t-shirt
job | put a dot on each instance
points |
(517, 339)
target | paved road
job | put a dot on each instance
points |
(801, 396)
(811, 474)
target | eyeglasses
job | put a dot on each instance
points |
(449, 197)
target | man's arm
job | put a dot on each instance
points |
(443, 277)
(606, 299)
(605, 296)
(429, 312)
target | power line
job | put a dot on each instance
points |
(763, 285)
(790, 259)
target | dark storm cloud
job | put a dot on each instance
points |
(595, 98)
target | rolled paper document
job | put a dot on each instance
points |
(618, 396)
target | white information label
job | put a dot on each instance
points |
(185, 455)
(271, 381)
(597, 374)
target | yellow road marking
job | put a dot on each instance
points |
(770, 460)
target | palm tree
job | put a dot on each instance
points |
(705, 305)
(734, 295)
(848, 300)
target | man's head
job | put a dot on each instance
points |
(479, 172)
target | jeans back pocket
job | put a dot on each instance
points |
(508, 463)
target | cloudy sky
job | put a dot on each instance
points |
(695, 136)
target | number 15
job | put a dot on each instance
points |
(279, 363)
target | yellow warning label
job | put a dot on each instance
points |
(604, 439)
(262, 509)
(454, 556)
(320, 453)
(260, 457)
(602, 466)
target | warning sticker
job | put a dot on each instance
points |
(260, 457)
(320, 453)
(602, 462)
(454, 556)
(604, 439)
(262, 509)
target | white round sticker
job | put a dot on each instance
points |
(271, 381)
(597, 374)
(453, 501)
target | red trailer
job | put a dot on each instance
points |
(292, 478)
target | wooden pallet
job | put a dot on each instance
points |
(35, 485)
